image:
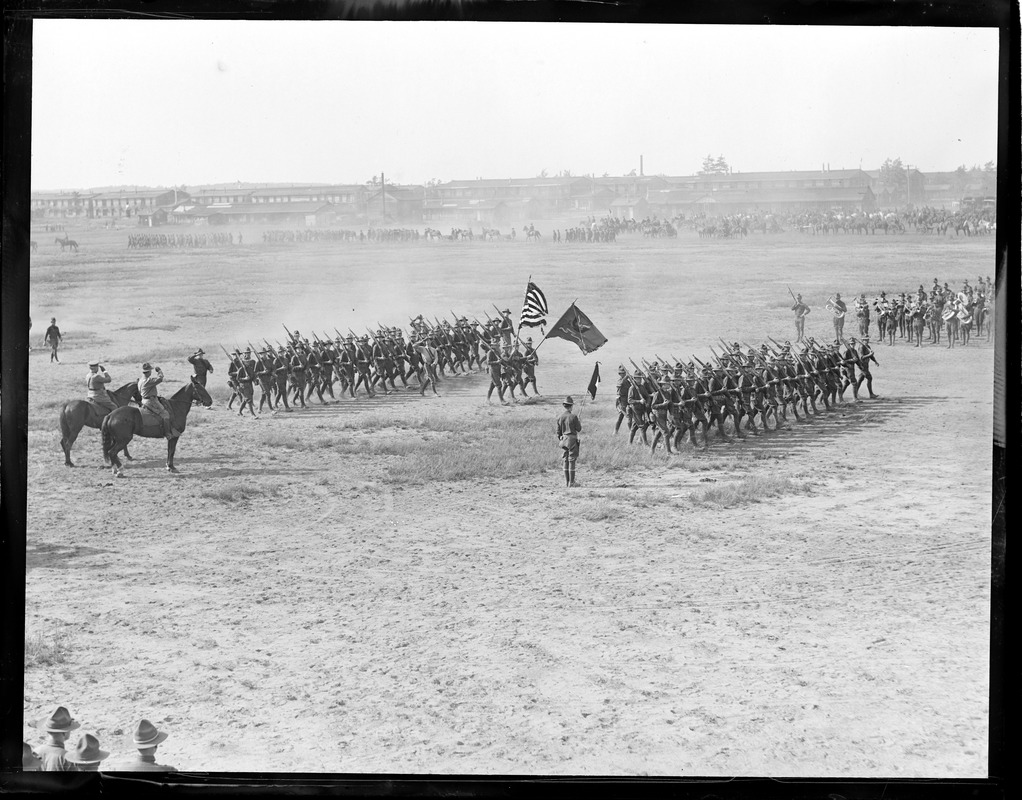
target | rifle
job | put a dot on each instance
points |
(290, 335)
(791, 293)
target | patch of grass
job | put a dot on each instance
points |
(151, 328)
(600, 510)
(162, 356)
(46, 651)
(750, 490)
(237, 492)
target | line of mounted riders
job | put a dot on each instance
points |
(674, 398)
(289, 373)
(909, 315)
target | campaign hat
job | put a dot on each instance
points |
(87, 751)
(568, 402)
(147, 367)
(147, 735)
(60, 721)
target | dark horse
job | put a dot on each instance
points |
(66, 243)
(121, 425)
(78, 414)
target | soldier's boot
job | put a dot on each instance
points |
(567, 473)
(631, 436)
(617, 425)
(230, 403)
(656, 438)
(571, 474)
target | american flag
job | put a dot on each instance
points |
(534, 310)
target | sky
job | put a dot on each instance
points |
(172, 102)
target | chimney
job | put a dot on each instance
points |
(640, 166)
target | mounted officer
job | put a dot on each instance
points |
(96, 382)
(151, 400)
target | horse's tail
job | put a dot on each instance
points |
(65, 428)
(107, 435)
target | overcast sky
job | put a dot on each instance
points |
(190, 102)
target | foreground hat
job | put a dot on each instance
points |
(147, 367)
(60, 721)
(147, 735)
(93, 363)
(87, 751)
(200, 352)
(568, 401)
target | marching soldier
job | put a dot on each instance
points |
(296, 365)
(663, 399)
(507, 327)
(96, 382)
(279, 366)
(495, 364)
(529, 362)
(621, 397)
(244, 379)
(425, 366)
(264, 376)
(865, 356)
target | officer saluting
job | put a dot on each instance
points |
(568, 429)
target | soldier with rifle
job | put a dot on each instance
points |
(495, 364)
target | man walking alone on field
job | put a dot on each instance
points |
(568, 429)
(53, 338)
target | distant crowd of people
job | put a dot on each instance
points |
(87, 755)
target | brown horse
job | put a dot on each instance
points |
(78, 414)
(121, 425)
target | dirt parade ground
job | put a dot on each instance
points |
(404, 585)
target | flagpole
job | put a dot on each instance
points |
(518, 333)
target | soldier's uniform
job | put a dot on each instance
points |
(201, 365)
(151, 399)
(97, 392)
(494, 364)
(568, 429)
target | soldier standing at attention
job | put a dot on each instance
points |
(201, 365)
(839, 309)
(96, 382)
(568, 429)
(800, 309)
(53, 338)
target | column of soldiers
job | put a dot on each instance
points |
(290, 373)
(671, 399)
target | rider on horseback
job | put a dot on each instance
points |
(96, 380)
(151, 399)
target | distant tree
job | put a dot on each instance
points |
(893, 175)
(542, 174)
(960, 179)
(990, 166)
(714, 166)
(566, 173)
(606, 174)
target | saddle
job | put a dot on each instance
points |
(148, 411)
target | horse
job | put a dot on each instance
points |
(66, 243)
(78, 414)
(121, 425)
(531, 234)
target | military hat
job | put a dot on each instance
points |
(506, 311)
(621, 370)
(147, 735)
(200, 352)
(147, 367)
(248, 351)
(93, 363)
(528, 340)
(60, 721)
(568, 402)
(53, 319)
(87, 751)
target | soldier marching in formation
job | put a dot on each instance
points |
(675, 398)
(374, 362)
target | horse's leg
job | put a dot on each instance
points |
(171, 447)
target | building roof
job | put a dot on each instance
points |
(136, 194)
(495, 183)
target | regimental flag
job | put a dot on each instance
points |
(594, 381)
(534, 310)
(578, 328)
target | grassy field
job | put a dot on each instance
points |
(408, 580)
